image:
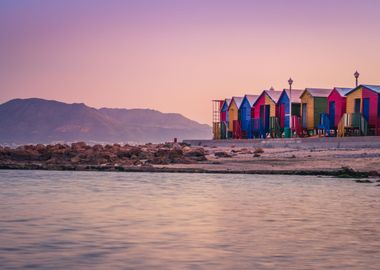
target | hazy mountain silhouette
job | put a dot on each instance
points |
(45, 121)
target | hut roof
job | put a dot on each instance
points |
(251, 99)
(296, 93)
(226, 102)
(342, 91)
(237, 100)
(273, 94)
(375, 88)
(317, 92)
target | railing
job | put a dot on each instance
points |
(274, 127)
(296, 125)
(216, 130)
(352, 124)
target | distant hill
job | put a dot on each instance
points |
(45, 121)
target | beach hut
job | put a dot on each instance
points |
(313, 104)
(234, 128)
(265, 111)
(224, 118)
(246, 115)
(365, 100)
(336, 105)
(284, 108)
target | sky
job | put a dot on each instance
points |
(176, 56)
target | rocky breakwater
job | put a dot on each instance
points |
(81, 156)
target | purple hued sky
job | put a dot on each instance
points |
(176, 56)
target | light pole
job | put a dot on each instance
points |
(356, 74)
(290, 81)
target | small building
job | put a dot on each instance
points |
(313, 104)
(224, 118)
(246, 115)
(336, 105)
(284, 108)
(365, 100)
(265, 107)
(234, 128)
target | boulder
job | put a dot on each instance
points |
(222, 154)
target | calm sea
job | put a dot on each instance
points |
(96, 220)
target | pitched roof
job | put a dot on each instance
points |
(273, 94)
(342, 91)
(237, 100)
(318, 92)
(375, 88)
(251, 99)
(226, 102)
(296, 93)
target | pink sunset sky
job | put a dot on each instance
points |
(176, 56)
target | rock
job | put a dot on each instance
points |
(222, 154)
(258, 151)
(363, 181)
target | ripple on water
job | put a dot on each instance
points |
(82, 220)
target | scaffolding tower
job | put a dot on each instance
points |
(216, 125)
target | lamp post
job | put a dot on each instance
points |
(290, 81)
(356, 74)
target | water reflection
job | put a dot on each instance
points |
(82, 220)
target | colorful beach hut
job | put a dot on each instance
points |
(313, 104)
(336, 102)
(234, 128)
(284, 108)
(265, 109)
(224, 118)
(365, 100)
(246, 115)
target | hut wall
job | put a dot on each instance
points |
(309, 100)
(259, 102)
(233, 114)
(245, 113)
(283, 101)
(320, 106)
(340, 105)
(269, 101)
(350, 100)
(373, 103)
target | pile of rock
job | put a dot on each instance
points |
(81, 153)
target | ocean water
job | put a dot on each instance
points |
(102, 220)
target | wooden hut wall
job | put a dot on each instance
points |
(233, 114)
(320, 106)
(350, 100)
(270, 102)
(372, 103)
(309, 101)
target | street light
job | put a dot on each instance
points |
(356, 74)
(290, 81)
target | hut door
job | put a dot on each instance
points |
(332, 114)
(282, 115)
(366, 108)
(357, 105)
(304, 114)
(267, 115)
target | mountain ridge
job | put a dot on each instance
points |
(36, 120)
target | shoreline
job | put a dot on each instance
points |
(340, 173)
(316, 157)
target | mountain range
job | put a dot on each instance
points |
(37, 120)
